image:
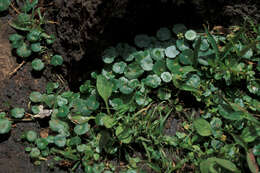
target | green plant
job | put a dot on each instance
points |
(32, 39)
(124, 108)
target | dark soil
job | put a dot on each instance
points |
(84, 29)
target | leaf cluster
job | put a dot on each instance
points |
(128, 102)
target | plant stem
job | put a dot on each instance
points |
(108, 111)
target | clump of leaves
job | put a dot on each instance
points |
(128, 103)
(32, 40)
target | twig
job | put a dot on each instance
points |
(16, 69)
(52, 22)
(15, 9)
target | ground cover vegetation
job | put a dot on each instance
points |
(121, 111)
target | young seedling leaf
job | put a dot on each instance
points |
(5, 126)
(36, 47)
(56, 60)
(37, 64)
(17, 112)
(23, 51)
(31, 136)
(34, 35)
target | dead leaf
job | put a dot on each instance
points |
(43, 112)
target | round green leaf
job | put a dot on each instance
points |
(15, 37)
(142, 41)
(4, 5)
(147, 63)
(81, 129)
(126, 51)
(23, 51)
(157, 53)
(5, 126)
(56, 60)
(60, 140)
(133, 71)
(152, 81)
(81, 148)
(171, 52)
(74, 141)
(164, 94)
(92, 103)
(164, 34)
(166, 77)
(204, 45)
(41, 143)
(17, 40)
(63, 112)
(194, 81)
(35, 109)
(57, 125)
(119, 67)
(31, 136)
(33, 35)
(216, 123)
(186, 57)
(36, 47)
(182, 45)
(36, 96)
(124, 86)
(35, 153)
(179, 28)
(141, 99)
(37, 64)
(17, 112)
(116, 102)
(202, 127)
(61, 101)
(159, 67)
(109, 55)
(190, 35)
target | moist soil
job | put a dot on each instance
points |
(81, 37)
